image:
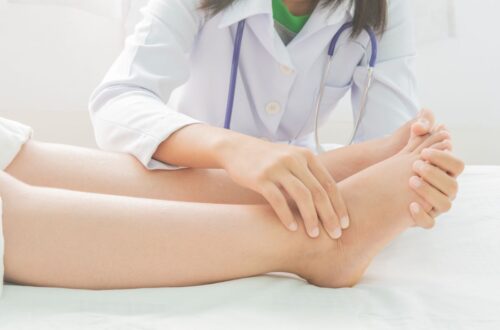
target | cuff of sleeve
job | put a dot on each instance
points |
(165, 129)
(13, 136)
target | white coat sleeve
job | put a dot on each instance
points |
(392, 98)
(129, 109)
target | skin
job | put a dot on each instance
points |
(63, 238)
(96, 239)
(283, 175)
(300, 7)
(193, 185)
(286, 175)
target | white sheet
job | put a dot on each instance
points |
(447, 278)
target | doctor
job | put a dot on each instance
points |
(165, 100)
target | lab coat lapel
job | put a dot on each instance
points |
(259, 19)
(260, 23)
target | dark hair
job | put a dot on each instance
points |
(367, 12)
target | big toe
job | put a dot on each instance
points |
(433, 139)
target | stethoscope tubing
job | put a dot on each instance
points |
(331, 51)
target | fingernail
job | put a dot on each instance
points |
(415, 182)
(293, 226)
(315, 232)
(418, 165)
(344, 222)
(415, 208)
(336, 233)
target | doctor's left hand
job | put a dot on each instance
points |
(435, 181)
(277, 171)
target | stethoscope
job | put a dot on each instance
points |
(331, 51)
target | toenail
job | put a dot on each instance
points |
(293, 226)
(344, 222)
(337, 233)
(415, 182)
(315, 232)
(415, 208)
(424, 122)
(445, 134)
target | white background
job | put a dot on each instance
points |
(52, 56)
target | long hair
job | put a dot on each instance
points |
(366, 12)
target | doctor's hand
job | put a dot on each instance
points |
(278, 171)
(436, 182)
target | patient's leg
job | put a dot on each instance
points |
(87, 170)
(377, 199)
(67, 167)
(82, 240)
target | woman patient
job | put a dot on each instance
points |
(79, 218)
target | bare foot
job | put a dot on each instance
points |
(377, 199)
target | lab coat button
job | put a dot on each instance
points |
(273, 108)
(286, 70)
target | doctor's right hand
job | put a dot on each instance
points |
(279, 172)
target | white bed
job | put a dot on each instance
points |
(447, 278)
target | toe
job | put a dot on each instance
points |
(433, 139)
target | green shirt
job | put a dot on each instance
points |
(287, 25)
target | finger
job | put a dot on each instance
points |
(433, 139)
(434, 213)
(421, 218)
(444, 160)
(303, 198)
(437, 178)
(321, 201)
(332, 190)
(280, 206)
(434, 197)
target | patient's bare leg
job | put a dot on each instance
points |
(378, 199)
(83, 240)
(70, 239)
(87, 170)
(67, 167)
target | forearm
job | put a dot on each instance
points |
(207, 143)
(197, 146)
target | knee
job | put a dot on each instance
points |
(10, 186)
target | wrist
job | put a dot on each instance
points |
(225, 146)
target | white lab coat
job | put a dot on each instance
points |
(176, 47)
